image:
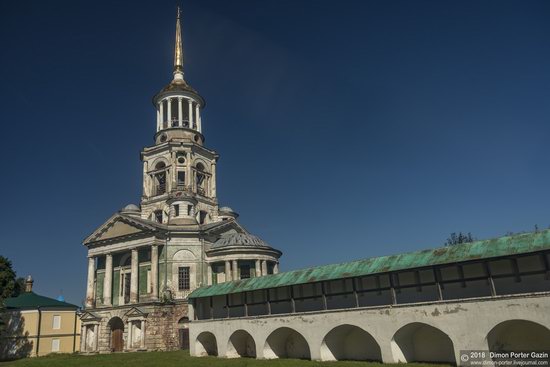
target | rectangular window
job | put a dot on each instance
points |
(202, 216)
(56, 322)
(245, 271)
(55, 345)
(181, 180)
(158, 216)
(183, 278)
(177, 210)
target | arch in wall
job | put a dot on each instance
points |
(241, 344)
(206, 344)
(518, 335)
(350, 342)
(126, 259)
(201, 165)
(116, 328)
(183, 332)
(159, 163)
(285, 342)
(419, 342)
(184, 255)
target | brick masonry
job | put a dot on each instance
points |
(161, 325)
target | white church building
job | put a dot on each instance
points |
(146, 259)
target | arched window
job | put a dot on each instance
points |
(159, 179)
(200, 178)
(157, 216)
(183, 332)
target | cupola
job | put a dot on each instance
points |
(178, 105)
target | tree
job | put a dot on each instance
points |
(457, 239)
(10, 285)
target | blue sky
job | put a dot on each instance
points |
(346, 130)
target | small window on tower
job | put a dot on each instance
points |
(160, 184)
(177, 210)
(181, 180)
(202, 216)
(158, 216)
(189, 209)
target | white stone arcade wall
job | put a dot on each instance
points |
(429, 332)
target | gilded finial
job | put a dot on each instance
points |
(178, 52)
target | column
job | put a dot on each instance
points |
(213, 182)
(276, 268)
(108, 280)
(96, 337)
(161, 110)
(155, 271)
(180, 113)
(134, 277)
(264, 267)
(90, 284)
(129, 343)
(208, 274)
(158, 117)
(227, 271)
(235, 270)
(169, 112)
(190, 113)
(83, 335)
(197, 118)
(142, 341)
(191, 310)
(258, 268)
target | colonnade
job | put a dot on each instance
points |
(166, 120)
(232, 269)
(108, 280)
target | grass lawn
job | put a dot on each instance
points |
(175, 359)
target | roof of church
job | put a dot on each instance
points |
(240, 239)
(31, 300)
(485, 249)
(178, 86)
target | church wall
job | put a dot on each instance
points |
(161, 328)
(181, 251)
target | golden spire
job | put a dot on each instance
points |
(178, 52)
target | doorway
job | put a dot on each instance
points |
(183, 332)
(117, 331)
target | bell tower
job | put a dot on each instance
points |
(179, 172)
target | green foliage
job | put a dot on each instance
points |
(457, 239)
(181, 358)
(10, 286)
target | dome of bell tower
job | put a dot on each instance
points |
(178, 105)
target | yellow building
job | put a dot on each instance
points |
(38, 325)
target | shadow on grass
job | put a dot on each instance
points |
(179, 359)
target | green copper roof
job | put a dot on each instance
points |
(31, 300)
(503, 246)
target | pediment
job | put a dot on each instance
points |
(89, 316)
(135, 312)
(218, 229)
(119, 226)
